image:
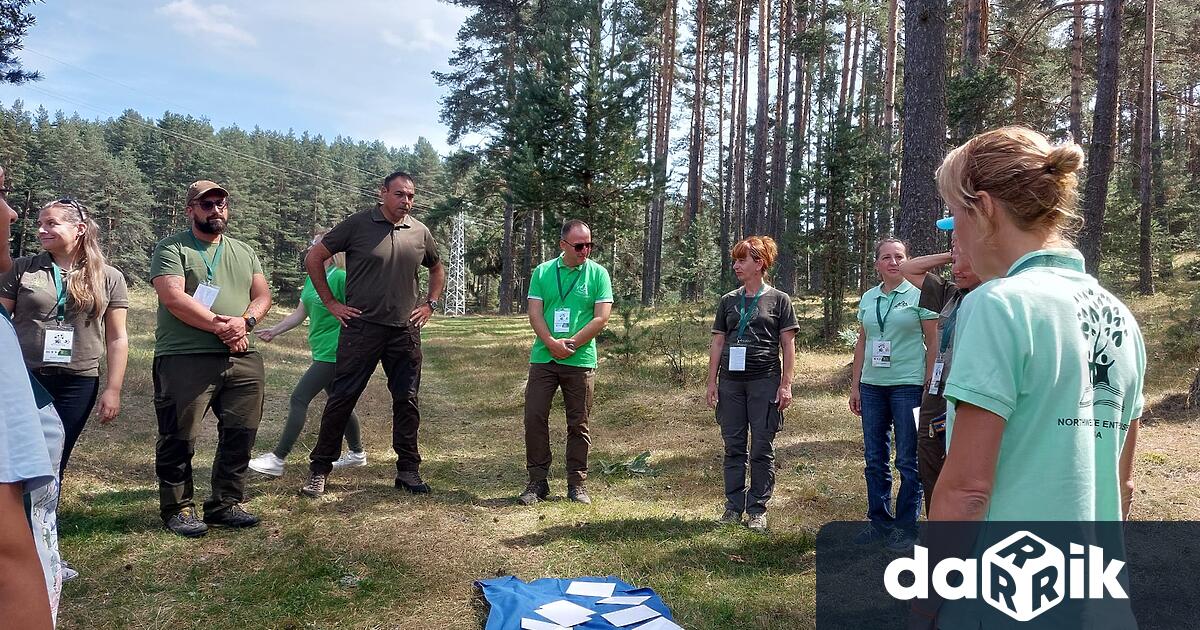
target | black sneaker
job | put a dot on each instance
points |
(185, 523)
(578, 494)
(871, 535)
(535, 491)
(901, 540)
(411, 480)
(232, 516)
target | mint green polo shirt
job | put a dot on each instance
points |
(1062, 361)
(578, 289)
(323, 328)
(901, 316)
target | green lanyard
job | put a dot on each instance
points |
(558, 278)
(948, 326)
(216, 260)
(60, 287)
(882, 317)
(748, 312)
(1049, 260)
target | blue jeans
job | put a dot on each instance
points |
(885, 407)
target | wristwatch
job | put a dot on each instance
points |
(433, 304)
(251, 322)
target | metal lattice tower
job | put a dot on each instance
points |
(456, 281)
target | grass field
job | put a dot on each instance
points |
(369, 556)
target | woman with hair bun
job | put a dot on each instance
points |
(746, 383)
(1046, 389)
(69, 308)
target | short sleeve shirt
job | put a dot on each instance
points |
(323, 329)
(30, 284)
(184, 255)
(382, 260)
(894, 317)
(1062, 361)
(570, 292)
(772, 316)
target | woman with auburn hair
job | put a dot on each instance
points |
(69, 308)
(323, 333)
(746, 383)
(885, 386)
(1012, 199)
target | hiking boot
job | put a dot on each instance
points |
(352, 459)
(871, 534)
(314, 487)
(578, 494)
(535, 491)
(267, 464)
(730, 517)
(901, 540)
(411, 481)
(757, 522)
(185, 523)
(232, 516)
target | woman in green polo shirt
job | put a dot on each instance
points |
(886, 384)
(754, 324)
(323, 332)
(1046, 389)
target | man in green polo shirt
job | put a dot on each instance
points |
(211, 292)
(570, 299)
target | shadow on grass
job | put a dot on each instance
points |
(1171, 409)
(106, 513)
(621, 530)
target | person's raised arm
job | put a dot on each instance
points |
(23, 599)
(914, 269)
(860, 347)
(116, 338)
(314, 263)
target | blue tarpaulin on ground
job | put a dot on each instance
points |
(511, 599)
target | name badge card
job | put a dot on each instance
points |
(935, 379)
(562, 320)
(206, 294)
(59, 344)
(881, 353)
(737, 358)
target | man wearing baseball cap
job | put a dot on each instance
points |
(211, 293)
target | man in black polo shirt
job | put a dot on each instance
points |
(382, 320)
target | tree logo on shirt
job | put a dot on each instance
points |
(1104, 327)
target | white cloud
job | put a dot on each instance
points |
(214, 21)
(423, 34)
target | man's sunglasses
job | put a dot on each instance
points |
(579, 246)
(208, 205)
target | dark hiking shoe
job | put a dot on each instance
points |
(185, 523)
(578, 494)
(871, 535)
(232, 516)
(757, 522)
(314, 487)
(730, 517)
(535, 491)
(411, 481)
(901, 540)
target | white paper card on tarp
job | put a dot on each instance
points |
(662, 623)
(534, 624)
(565, 613)
(625, 600)
(737, 358)
(624, 617)
(592, 589)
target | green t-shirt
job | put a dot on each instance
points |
(577, 290)
(1062, 362)
(894, 317)
(233, 272)
(323, 328)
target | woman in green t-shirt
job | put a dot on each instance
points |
(1046, 389)
(323, 333)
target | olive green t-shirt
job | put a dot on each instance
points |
(894, 317)
(30, 284)
(771, 316)
(574, 291)
(381, 264)
(234, 271)
(1062, 362)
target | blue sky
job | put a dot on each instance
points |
(358, 68)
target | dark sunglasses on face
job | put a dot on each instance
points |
(579, 246)
(67, 201)
(208, 205)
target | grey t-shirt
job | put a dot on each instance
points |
(772, 317)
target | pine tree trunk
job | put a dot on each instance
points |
(924, 123)
(737, 221)
(696, 141)
(758, 169)
(1145, 250)
(1100, 151)
(779, 144)
(974, 34)
(889, 115)
(722, 180)
(506, 259)
(1076, 115)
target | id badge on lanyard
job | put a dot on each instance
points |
(881, 353)
(59, 343)
(206, 294)
(935, 379)
(562, 320)
(737, 358)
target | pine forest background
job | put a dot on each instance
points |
(675, 128)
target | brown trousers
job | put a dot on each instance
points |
(931, 450)
(576, 384)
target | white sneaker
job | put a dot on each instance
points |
(67, 572)
(267, 464)
(352, 459)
